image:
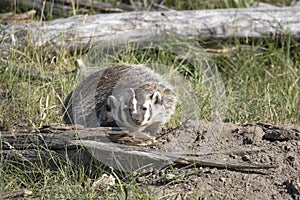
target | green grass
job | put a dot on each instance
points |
(263, 84)
(67, 182)
(261, 78)
(19, 6)
(29, 102)
(218, 4)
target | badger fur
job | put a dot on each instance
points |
(132, 97)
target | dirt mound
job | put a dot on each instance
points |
(254, 143)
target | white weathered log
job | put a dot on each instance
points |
(83, 145)
(82, 31)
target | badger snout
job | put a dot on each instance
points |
(138, 119)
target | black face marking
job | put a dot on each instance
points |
(138, 107)
(150, 111)
(156, 98)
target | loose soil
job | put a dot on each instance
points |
(254, 143)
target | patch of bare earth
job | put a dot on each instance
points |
(254, 143)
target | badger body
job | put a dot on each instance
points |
(132, 97)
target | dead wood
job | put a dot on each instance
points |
(81, 144)
(80, 32)
(279, 133)
(15, 194)
(13, 18)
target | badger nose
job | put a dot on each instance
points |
(136, 118)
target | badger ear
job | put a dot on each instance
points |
(156, 98)
(167, 91)
(111, 102)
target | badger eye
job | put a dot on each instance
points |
(144, 108)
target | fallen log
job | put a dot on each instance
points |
(100, 144)
(82, 31)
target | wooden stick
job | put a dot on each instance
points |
(15, 193)
(13, 18)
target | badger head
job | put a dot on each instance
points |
(137, 109)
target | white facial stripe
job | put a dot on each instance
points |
(147, 113)
(134, 102)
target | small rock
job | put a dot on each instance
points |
(248, 139)
(170, 176)
(134, 174)
(287, 147)
(246, 158)
(162, 173)
(187, 186)
(207, 170)
(154, 176)
(141, 179)
(290, 158)
(104, 182)
(233, 156)
(222, 179)
(213, 171)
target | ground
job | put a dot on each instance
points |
(255, 143)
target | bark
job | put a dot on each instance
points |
(86, 145)
(12, 18)
(80, 32)
(15, 194)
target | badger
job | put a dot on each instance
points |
(131, 97)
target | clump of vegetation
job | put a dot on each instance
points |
(218, 4)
